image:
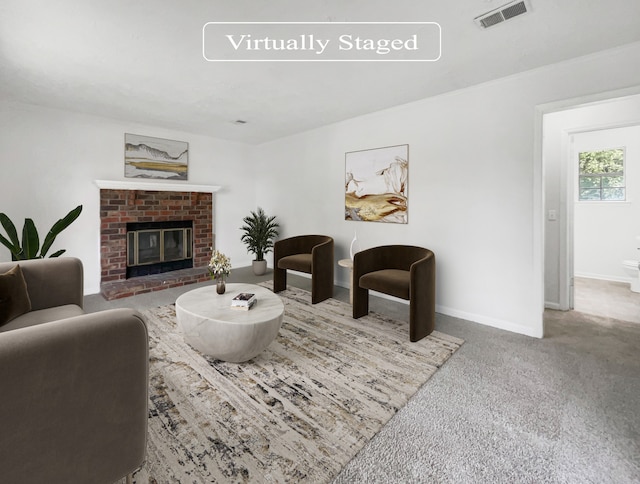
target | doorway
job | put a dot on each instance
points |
(565, 133)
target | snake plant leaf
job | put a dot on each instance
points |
(30, 240)
(13, 249)
(58, 227)
(12, 243)
(58, 253)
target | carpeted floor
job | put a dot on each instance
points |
(299, 411)
(514, 409)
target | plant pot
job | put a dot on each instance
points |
(259, 267)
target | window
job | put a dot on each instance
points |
(601, 175)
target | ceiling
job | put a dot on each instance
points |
(142, 61)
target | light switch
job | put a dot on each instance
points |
(553, 216)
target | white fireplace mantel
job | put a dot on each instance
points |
(155, 186)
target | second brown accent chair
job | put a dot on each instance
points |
(403, 271)
(311, 254)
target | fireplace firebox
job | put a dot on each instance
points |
(156, 247)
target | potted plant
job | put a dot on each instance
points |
(28, 247)
(259, 232)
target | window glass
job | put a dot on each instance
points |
(601, 175)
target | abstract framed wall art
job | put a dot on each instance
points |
(147, 157)
(376, 185)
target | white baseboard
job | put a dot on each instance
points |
(552, 305)
(488, 321)
(602, 277)
(475, 318)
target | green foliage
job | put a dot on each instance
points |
(259, 232)
(602, 175)
(30, 245)
(599, 162)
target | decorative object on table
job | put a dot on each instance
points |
(259, 232)
(30, 244)
(244, 300)
(244, 307)
(210, 420)
(376, 184)
(147, 157)
(355, 246)
(219, 269)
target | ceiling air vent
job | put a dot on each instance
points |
(506, 12)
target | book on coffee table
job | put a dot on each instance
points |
(245, 307)
(243, 300)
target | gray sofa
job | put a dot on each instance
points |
(73, 386)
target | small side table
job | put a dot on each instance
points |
(348, 263)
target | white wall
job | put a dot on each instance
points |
(50, 159)
(560, 176)
(475, 185)
(471, 184)
(605, 232)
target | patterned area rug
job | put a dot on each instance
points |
(299, 411)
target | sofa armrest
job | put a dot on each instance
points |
(51, 282)
(74, 404)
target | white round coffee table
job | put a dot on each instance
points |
(210, 325)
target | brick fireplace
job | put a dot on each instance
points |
(123, 203)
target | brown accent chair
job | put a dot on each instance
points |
(74, 405)
(311, 254)
(403, 271)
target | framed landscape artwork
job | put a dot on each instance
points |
(376, 184)
(147, 157)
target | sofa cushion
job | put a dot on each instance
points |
(14, 298)
(297, 262)
(40, 316)
(388, 281)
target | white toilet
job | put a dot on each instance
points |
(631, 268)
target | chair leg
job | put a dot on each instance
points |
(279, 279)
(321, 287)
(422, 319)
(360, 302)
(129, 479)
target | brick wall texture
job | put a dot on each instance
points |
(118, 207)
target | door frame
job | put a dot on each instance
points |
(567, 189)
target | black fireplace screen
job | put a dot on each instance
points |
(156, 247)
